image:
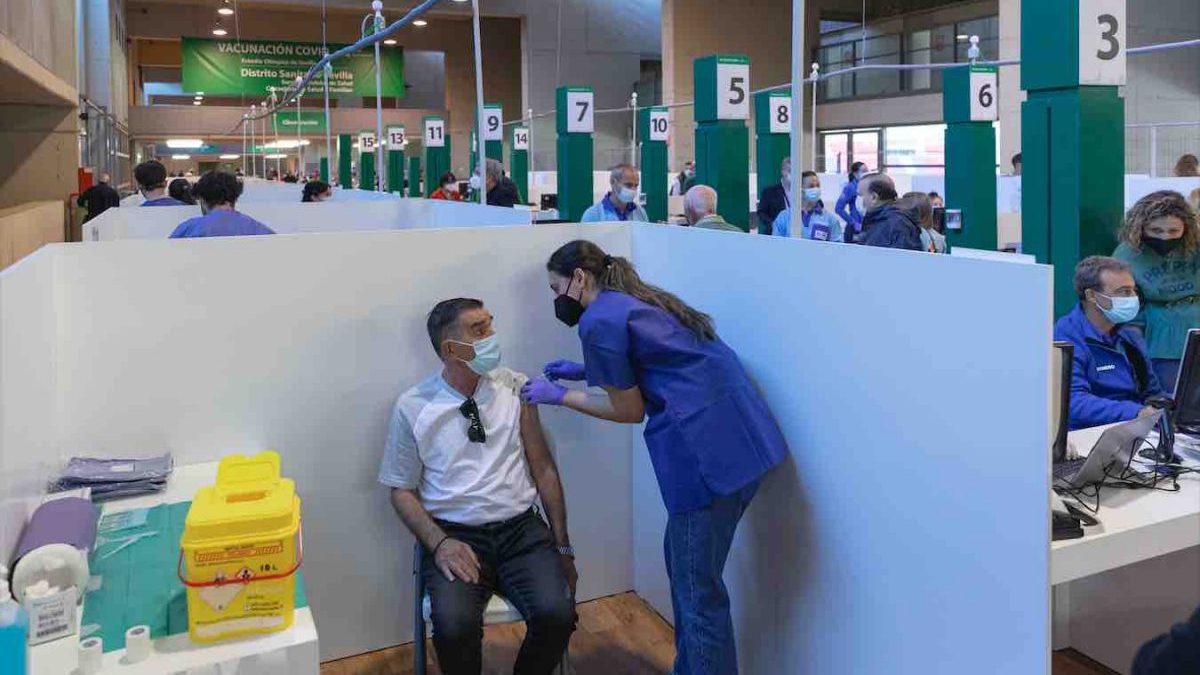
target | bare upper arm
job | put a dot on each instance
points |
(533, 438)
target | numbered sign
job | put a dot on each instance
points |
(985, 101)
(581, 114)
(733, 91)
(435, 133)
(781, 114)
(493, 123)
(396, 137)
(660, 122)
(520, 138)
(366, 141)
(1102, 41)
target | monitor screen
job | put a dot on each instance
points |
(1187, 387)
(954, 219)
(1062, 362)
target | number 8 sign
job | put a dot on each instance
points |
(984, 98)
(781, 114)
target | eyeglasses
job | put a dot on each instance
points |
(470, 411)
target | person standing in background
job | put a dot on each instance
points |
(151, 177)
(775, 199)
(218, 192)
(921, 205)
(1016, 164)
(685, 180)
(817, 223)
(99, 198)
(1194, 199)
(181, 190)
(936, 201)
(847, 204)
(1160, 241)
(620, 203)
(1187, 166)
(886, 224)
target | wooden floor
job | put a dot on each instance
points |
(619, 635)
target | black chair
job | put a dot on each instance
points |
(499, 610)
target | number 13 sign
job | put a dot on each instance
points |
(1102, 38)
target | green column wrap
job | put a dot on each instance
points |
(345, 145)
(395, 171)
(437, 160)
(770, 147)
(414, 176)
(518, 168)
(366, 171)
(970, 159)
(574, 161)
(325, 169)
(722, 139)
(653, 167)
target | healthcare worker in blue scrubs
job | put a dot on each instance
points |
(217, 193)
(847, 203)
(710, 434)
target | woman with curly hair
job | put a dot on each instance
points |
(1160, 240)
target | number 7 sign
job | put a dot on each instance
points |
(581, 115)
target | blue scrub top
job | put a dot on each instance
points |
(220, 223)
(709, 432)
(163, 201)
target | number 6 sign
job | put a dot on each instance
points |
(1102, 39)
(984, 98)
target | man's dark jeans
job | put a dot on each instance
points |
(519, 561)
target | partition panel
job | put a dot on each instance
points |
(302, 344)
(908, 531)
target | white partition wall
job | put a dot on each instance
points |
(908, 532)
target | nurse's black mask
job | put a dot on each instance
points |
(568, 309)
(1162, 246)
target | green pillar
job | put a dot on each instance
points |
(325, 169)
(518, 161)
(722, 84)
(345, 145)
(437, 151)
(414, 176)
(1072, 135)
(395, 158)
(367, 147)
(653, 125)
(575, 123)
(772, 138)
(969, 105)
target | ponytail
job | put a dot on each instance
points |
(615, 273)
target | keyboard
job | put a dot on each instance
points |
(1067, 470)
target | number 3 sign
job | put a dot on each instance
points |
(1102, 38)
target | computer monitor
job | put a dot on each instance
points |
(1062, 363)
(1187, 387)
(549, 201)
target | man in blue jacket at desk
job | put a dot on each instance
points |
(1112, 378)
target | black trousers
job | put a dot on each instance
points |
(519, 561)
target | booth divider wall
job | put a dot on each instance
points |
(909, 530)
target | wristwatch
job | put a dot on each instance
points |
(568, 551)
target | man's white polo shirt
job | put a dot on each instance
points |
(458, 480)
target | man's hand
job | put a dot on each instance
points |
(456, 559)
(568, 565)
(1148, 411)
(564, 370)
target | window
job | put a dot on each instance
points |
(919, 149)
(988, 30)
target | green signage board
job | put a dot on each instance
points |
(309, 121)
(225, 67)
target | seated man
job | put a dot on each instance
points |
(466, 461)
(1112, 377)
(700, 210)
(151, 177)
(621, 202)
(217, 193)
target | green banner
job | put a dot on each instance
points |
(225, 67)
(309, 121)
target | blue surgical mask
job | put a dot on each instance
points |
(487, 355)
(474, 182)
(627, 195)
(1123, 309)
(812, 194)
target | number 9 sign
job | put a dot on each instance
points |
(1102, 40)
(493, 123)
(984, 98)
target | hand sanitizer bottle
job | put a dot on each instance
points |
(14, 631)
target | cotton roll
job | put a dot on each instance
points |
(91, 656)
(137, 644)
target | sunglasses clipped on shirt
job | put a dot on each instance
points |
(475, 432)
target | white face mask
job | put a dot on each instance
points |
(475, 182)
(860, 205)
(627, 195)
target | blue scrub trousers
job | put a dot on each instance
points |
(696, 547)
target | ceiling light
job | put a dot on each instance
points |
(389, 41)
(219, 30)
(279, 156)
(420, 23)
(287, 144)
(196, 102)
(226, 9)
(199, 93)
(181, 156)
(230, 156)
(960, 38)
(184, 143)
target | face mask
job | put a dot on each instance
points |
(786, 179)
(567, 309)
(860, 205)
(812, 194)
(690, 173)
(627, 195)
(1162, 247)
(487, 355)
(450, 187)
(475, 183)
(1123, 309)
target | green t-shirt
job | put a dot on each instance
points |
(1170, 288)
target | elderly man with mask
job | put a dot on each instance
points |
(621, 202)
(700, 210)
(501, 191)
(884, 223)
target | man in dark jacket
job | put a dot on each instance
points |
(775, 198)
(885, 224)
(99, 198)
(501, 191)
(1175, 653)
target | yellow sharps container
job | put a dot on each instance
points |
(240, 551)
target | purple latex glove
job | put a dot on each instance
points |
(564, 370)
(543, 392)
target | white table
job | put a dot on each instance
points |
(1129, 578)
(290, 652)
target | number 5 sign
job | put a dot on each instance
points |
(984, 98)
(1102, 40)
(733, 88)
